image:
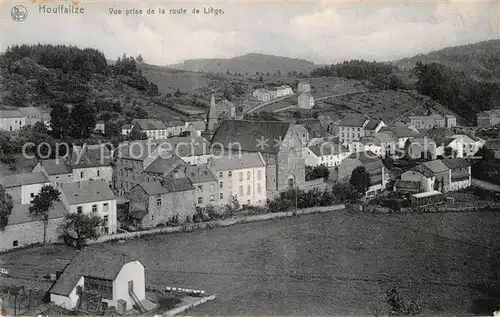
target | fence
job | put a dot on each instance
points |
(215, 223)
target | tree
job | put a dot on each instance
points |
(344, 192)
(83, 120)
(232, 205)
(140, 59)
(136, 134)
(81, 227)
(59, 120)
(41, 204)
(360, 180)
(6, 206)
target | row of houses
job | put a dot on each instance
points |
(268, 94)
(433, 120)
(15, 119)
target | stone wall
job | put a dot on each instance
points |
(29, 233)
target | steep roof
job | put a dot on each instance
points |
(353, 120)
(199, 174)
(29, 111)
(238, 161)
(372, 124)
(149, 124)
(248, 134)
(164, 165)
(102, 263)
(456, 163)
(369, 140)
(91, 156)
(167, 185)
(10, 114)
(401, 131)
(438, 134)
(436, 166)
(56, 167)
(424, 170)
(87, 191)
(22, 179)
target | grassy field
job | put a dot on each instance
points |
(323, 264)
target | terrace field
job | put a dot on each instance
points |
(323, 264)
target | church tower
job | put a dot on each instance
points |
(212, 119)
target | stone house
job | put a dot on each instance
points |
(206, 186)
(427, 122)
(305, 101)
(58, 171)
(23, 228)
(105, 275)
(373, 165)
(459, 173)
(92, 162)
(421, 148)
(157, 202)
(278, 143)
(420, 175)
(242, 176)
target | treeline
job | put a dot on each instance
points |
(456, 90)
(380, 74)
(66, 58)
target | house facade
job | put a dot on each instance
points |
(242, 176)
(206, 186)
(352, 128)
(459, 173)
(303, 86)
(154, 129)
(108, 276)
(328, 154)
(488, 118)
(305, 101)
(158, 202)
(87, 197)
(278, 143)
(427, 122)
(421, 148)
(262, 94)
(58, 171)
(11, 120)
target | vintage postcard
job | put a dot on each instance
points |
(249, 158)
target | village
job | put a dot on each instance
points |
(180, 173)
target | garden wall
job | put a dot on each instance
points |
(216, 223)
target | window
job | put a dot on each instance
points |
(241, 190)
(221, 185)
(69, 175)
(248, 175)
(94, 208)
(221, 174)
(15, 243)
(200, 200)
(241, 176)
(229, 174)
(212, 198)
(81, 174)
(221, 196)
(158, 201)
(259, 175)
(200, 188)
(249, 190)
(106, 220)
(32, 195)
(258, 188)
(79, 209)
(105, 207)
(98, 173)
(57, 177)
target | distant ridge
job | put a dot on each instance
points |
(248, 63)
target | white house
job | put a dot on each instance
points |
(421, 175)
(305, 101)
(262, 94)
(241, 175)
(154, 129)
(303, 86)
(25, 186)
(58, 171)
(284, 90)
(115, 278)
(91, 196)
(24, 228)
(11, 120)
(328, 154)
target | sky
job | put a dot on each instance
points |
(319, 31)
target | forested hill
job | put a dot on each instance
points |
(48, 75)
(481, 60)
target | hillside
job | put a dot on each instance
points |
(481, 60)
(248, 64)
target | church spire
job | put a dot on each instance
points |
(212, 119)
